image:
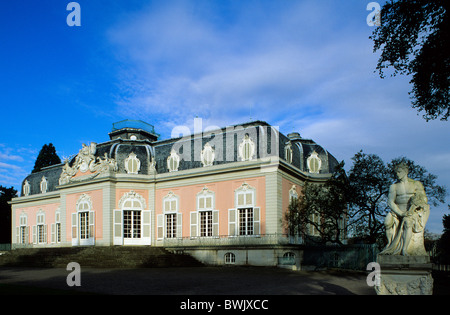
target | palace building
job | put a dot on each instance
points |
(219, 195)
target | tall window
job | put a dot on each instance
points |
(41, 228)
(245, 218)
(26, 188)
(246, 221)
(288, 152)
(56, 228)
(132, 222)
(169, 223)
(23, 229)
(293, 193)
(205, 207)
(43, 185)
(205, 221)
(83, 222)
(173, 161)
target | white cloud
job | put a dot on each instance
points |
(305, 66)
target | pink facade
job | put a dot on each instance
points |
(224, 199)
(136, 190)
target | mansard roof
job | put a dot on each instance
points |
(142, 145)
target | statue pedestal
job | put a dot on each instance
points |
(405, 275)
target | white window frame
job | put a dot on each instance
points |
(293, 194)
(56, 228)
(23, 230)
(26, 188)
(311, 167)
(288, 152)
(132, 164)
(208, 155)
(134, 202)
(246, 148)
(171, 204)
(173, 161)
(230, 258)
(205, 207)
(43, 185)
(245, 198)
(84, 209)
(40, 229)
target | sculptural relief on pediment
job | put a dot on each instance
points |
(87, 166)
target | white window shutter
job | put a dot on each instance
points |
(118, 238)
(74, 229)
(92, 225)
(232, 222)
(27, 235)
(45, 234)
(146, 227)
(160, 226)
(17, 235)
(194, 223)
(215, 223)
(34, 234)
(53, 227)
(179, 225)
(256, 221)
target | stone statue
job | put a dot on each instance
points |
(405, 223)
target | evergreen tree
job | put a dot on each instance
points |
(47, 157)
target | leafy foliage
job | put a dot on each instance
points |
(414, 37)
(321, 208)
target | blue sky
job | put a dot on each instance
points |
(305, 66)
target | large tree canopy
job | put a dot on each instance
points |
(414, 39)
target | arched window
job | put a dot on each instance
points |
(205, 220)
(230, 258)
(43, 185)
(169, 223)
(207, 155)
(132, 164)
(244, 219)
(314, 163)
(293, 193)
(288, 152)
(246, 148)
(132, 222)
(83, 222)
(23, 230)
(289, 258)
(26, 188)
(40, 229)
(173, 161)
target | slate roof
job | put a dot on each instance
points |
(224, 140)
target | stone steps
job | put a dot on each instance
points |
(97, 257)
